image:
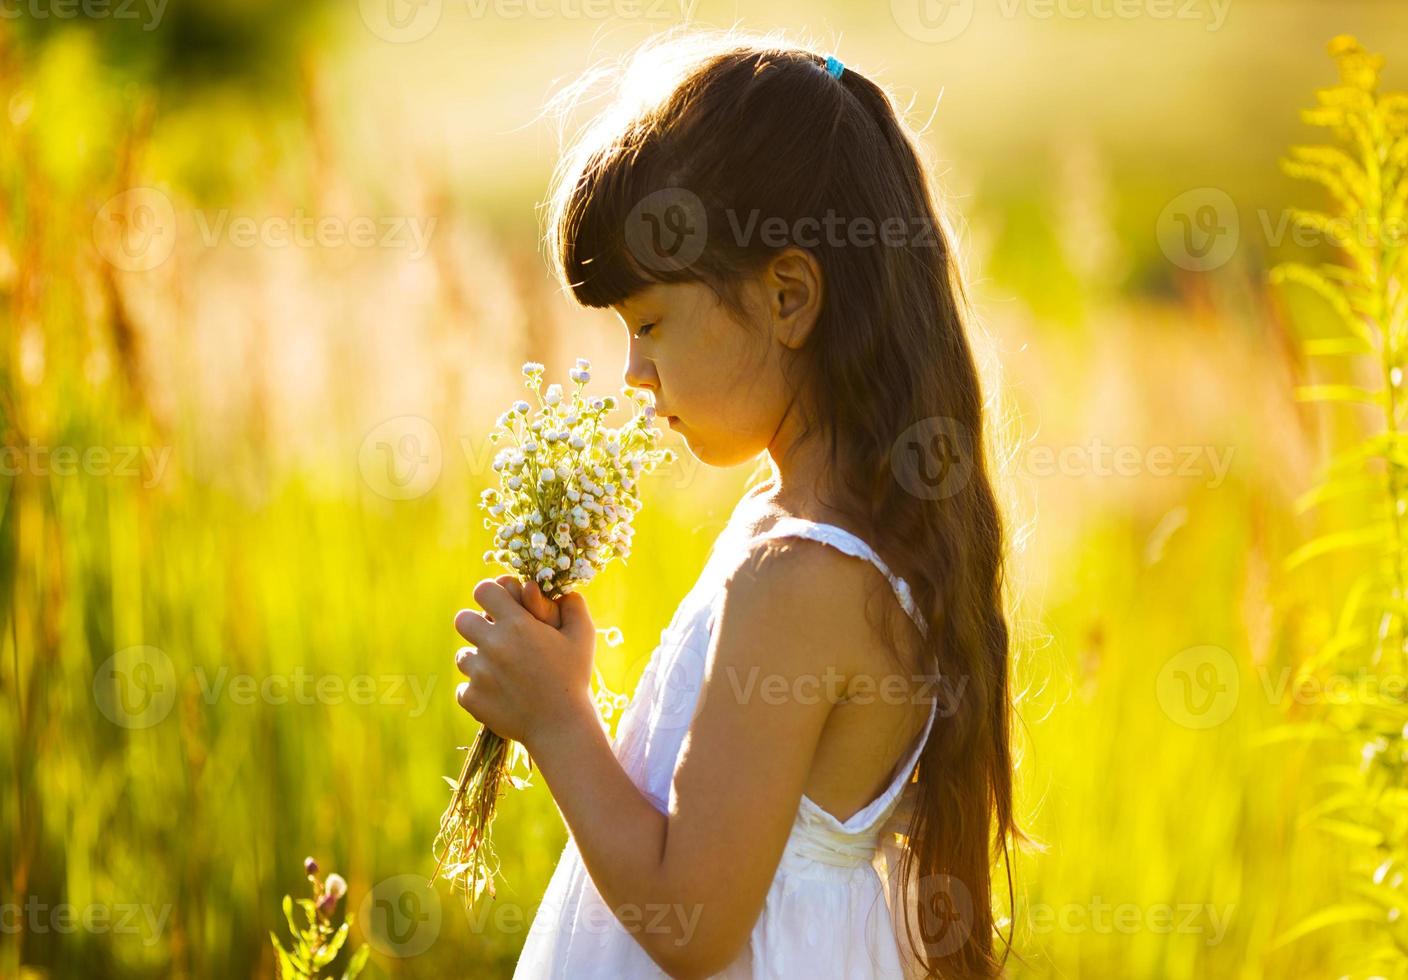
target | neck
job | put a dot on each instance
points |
(799, 478)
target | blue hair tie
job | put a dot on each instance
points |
(834, 66)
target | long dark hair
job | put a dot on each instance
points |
(731, 133)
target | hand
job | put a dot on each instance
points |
(534, 601)
(525, 676)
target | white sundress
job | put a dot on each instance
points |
(829, 910)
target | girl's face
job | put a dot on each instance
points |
(718, 380)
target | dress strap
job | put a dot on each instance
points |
(843, 540)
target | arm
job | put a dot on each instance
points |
(690, 884)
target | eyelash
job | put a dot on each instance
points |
(644, 329)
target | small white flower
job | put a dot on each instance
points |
(578, 442)
(563, 471)
(531, 368)
(336, 885)
(554, 394)
(544, 574)
(563, 562)
(584, 364)
(521, 407)
(539, 539)
(514, 482)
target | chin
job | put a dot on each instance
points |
(723, 458)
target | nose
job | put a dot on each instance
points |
(640, 371)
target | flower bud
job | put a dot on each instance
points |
(336, 886)
(310, 866)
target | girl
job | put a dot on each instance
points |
(799, 788)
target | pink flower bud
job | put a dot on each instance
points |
(310, 866)
(335, 886)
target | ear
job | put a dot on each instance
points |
(794, 287)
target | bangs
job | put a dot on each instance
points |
(599, 232)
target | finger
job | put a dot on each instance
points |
(467, 695)
(472, 626)
(466, 659)
(513, 585)
(497, 602)
(540, 605)
(576, 618)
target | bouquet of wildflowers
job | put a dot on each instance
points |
(317, 944)
(568, 492)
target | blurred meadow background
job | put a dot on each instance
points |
(267, 274)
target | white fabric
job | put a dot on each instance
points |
(828, 910)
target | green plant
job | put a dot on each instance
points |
(317, 944)
(1366, 484)
(567, 496)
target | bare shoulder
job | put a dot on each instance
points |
(808, 596)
